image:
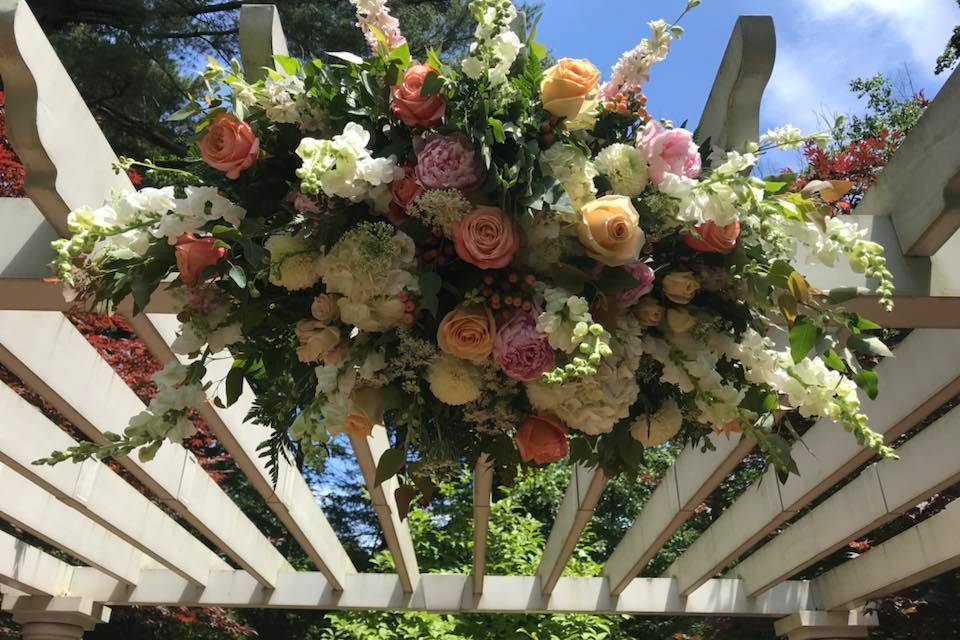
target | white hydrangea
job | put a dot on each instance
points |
(625, 167)
(573, 170)
(343, 166)
(294, 262)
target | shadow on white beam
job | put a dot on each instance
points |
(29, 570)
(924, 375)
(919, 553)
(928, 464)
(482, 493)
(442, 593)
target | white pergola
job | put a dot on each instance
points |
(128, 551)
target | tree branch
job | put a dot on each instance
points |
(213, 8)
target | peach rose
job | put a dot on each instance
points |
(485, 238)
(194, 254)
(316, 340)
(609, 229)
(680, 320)
(680, 286)
(324, 308)
(366, 410)
(569, 88)
(542, 440)
(229, 145)
(468, 332)
(648, 312)
(413, 109)
(402, 194)
(710, 238)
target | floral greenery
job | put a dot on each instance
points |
(395, 219)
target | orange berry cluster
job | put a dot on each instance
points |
(436, 250)
(507, 291)
(630, 104)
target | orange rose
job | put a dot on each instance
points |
(194, 254)
(413, 109)
(569, 88)
(468, 332)
(229, 145)
(366, 410)
(486, 238)
(542, 440)
(709, 238)
(609, 229)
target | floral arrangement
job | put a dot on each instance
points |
(487, 256)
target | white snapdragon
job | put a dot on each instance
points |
(343, 166)
(565, 319)
(790, 137)
(280, 97)
(625, 167)
(573, 170)
(496, 46)
(166, 415)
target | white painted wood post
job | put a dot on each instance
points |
(482, 490)
(57, 618)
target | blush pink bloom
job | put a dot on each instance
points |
(302, 202)
(411, 108)
(542, 440)
(522, 352)
(644, 275)
(711, 238)
(194, 254)
(450, 162)
(229, 145)
(485, 238)
(669, 151)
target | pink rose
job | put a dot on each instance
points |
(669, 151)
(486, 238)
(450, 162)
(413, 109)
(402, 194)
(229, 145)
(542, 440)
(522, 352)
(644, 276)
(194, 254)
(712, 238)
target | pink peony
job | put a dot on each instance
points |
(522, 352)
(450, 162)
(669, 151)
(644, 276)
(302, 202)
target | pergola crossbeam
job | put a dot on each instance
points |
(25, 568)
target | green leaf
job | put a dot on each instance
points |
(759, 400)
(392, 398)
(390, 464)
(569, 277)
(780, 272)
(288, 63)
(430, 285)
(774, 187)
(432, 84)
(832, 360)
(149, 452)
(234, 384)
(404, 496)
(497, 127)
(843, 294)
(537, 49)
(803, 335)
(869, 345)
(141, 290)
(191, 109)
(615, 279)
(868, 380)
(402, 54)
(346, 56)
(866, 325)
(238, 275)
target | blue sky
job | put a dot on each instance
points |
(821, 46)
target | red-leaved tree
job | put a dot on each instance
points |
(11, 171)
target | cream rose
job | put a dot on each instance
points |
(609, 229)
(680, 320)
(468, 332)
(648, 312)
(569, 88)
(680, 286)
(316, 340)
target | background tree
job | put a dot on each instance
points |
(951, 53)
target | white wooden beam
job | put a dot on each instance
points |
(919, 553)
(25, 568)
(482, 493)
(576, 508)
(928, 463)
(32, 509)
(48, 122)
(396, 533)
(48, 353)
(97, 492)
(920, 186)
(924, 374)
(684, 487)
(731, 117)
(291, 499)
(261, 38)
(826, 625)
(447, 593)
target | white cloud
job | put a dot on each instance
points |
(823, 44)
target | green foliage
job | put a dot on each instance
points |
(951, 53)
